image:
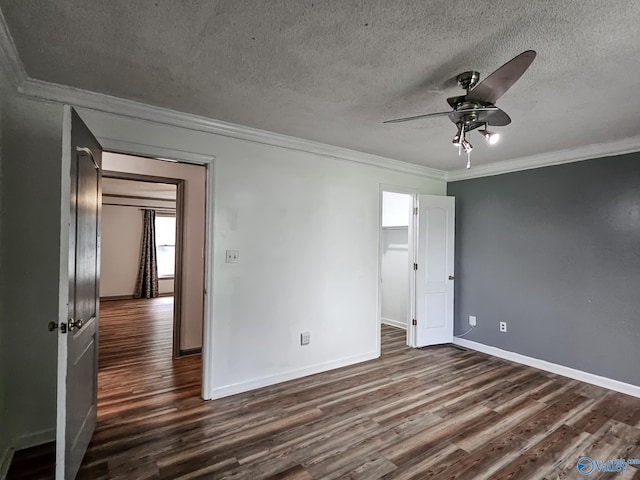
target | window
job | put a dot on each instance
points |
(166, 245)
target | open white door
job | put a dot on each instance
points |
(434, 274)
(78, 335)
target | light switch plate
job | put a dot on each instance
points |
(232, 256)
(305, 338)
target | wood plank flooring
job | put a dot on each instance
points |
(438, 412)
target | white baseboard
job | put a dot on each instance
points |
(24, 441)
(586, 377)
(234, 388)
(34, 439)
(394, 323)
(5, 462)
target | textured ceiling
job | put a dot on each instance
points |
(332, 71)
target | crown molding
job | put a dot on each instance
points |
(105, 103)
(570, 155)
(162, 153)
(37, 89)
(9, 59)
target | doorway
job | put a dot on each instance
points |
(125, 199)
(77, 395)
(187, 183)
(396, 258)
(150, 347)
(416, 263)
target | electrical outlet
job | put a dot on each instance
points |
(232, 256)
(305, 338)
(503, 327)
(472, 321)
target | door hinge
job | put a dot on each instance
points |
(414, 322)
(415, 210)
(415, 266)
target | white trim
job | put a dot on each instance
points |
(63, 291)
(248, 385)
(411, 231)
(25, 441)
(591, 378)
(34, 439)
(209, 265)
(9, 58)
(394, 323)
(52, 92)
(5, 462)
(106, 103)
(29, 87)
(569, 155)
(131, 148)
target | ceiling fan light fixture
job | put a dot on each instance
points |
(491, 137)
(458, 136)
(477, 107)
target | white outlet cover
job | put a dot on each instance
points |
(472, 321)
(232, 256)
(305, 338)
(503, 327)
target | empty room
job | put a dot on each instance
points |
(319, 239)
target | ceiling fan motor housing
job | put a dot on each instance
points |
(468, 80)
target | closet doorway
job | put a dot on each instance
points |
(396, 258)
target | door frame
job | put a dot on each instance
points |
(153, 151)
(411, 232)
(177, 276)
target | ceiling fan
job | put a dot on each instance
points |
(477, 107)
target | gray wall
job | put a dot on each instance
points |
(555, 253)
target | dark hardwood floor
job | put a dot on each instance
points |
(438, 412)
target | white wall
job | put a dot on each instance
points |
(192, 307)
(395, 276)
(120, 252)
(306, 227)
(30, 252)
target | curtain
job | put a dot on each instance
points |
(147, 283)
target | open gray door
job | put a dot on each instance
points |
(78, 335)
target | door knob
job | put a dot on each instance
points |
(451, 277)
(54, 325)
(75, 324)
